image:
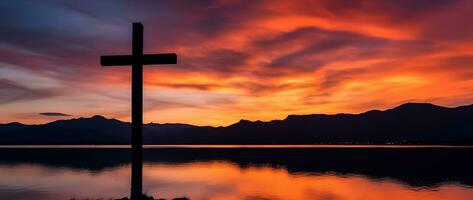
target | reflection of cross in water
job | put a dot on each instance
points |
(137, 60)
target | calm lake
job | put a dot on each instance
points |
(233, 172)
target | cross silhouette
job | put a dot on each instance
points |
(137, 60)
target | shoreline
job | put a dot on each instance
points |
(232, 146)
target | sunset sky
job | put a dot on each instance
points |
(256, 60)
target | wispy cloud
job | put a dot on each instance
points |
(54, 114)
(11, 91)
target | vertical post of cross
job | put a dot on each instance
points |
(137, 112)
(137, 60)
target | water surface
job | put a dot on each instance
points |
(240, 173)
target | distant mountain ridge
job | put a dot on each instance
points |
(410, 123)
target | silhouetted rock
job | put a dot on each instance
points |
(144, 197)
(411, 123)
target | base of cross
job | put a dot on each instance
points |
(144, 197)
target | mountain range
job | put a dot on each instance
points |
(410, 123)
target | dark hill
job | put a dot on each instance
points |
(411, 123)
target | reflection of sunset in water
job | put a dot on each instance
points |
(209, 181)
(225, 181)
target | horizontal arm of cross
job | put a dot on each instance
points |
(147, 59)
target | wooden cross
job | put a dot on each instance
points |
(137, 59)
